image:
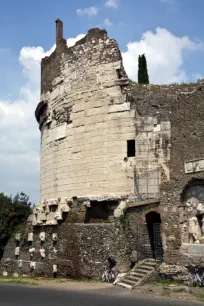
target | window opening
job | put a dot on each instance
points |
(118, 71)
(130, 148)
(53, 208)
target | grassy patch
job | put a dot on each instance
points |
(32, 280)
(202, 296)
(161, 281)
(18, 280)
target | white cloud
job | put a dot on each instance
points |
(112, 3)
(19, 132)
(107, 22)
(90, 11)
(72, 41)
(164, 53)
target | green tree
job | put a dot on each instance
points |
(13, 211)
(143, 77)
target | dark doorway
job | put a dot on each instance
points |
(153, 222)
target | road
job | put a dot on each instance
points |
(19, 295)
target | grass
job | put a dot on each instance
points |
(202, 297)
(32, 280)
(18, 280)
(161, 281)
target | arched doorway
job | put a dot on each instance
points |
(153, 223)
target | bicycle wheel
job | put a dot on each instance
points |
(202, 281)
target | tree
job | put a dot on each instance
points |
(143, 77)
(13, 212)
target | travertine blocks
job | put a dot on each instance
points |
(31, 251)
(17, 251)
(30, 237)
(33, 265)
(42, 252)
(20, 263)
(54, 237)
(49, 212)
(42, 236)
(85, 107)
(54, 267)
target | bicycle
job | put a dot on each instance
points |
(109, 275)
(196, 278)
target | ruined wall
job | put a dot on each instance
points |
(153, 134)
(78, 250)
(186, 147)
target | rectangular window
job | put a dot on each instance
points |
(53, 208)
(118, 71)
(130, 148)
(100, 212)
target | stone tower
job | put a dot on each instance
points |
(85, 120)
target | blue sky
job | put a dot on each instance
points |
(169, 32)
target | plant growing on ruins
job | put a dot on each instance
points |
(123, 221)
(143, 77)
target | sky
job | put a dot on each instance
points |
(169, 32)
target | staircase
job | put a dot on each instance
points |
(139, 274)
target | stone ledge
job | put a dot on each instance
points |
(142, 203)
(192, 249)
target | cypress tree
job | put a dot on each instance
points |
(143, 77)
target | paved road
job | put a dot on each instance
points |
(18, 295)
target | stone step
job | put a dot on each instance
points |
(147, 268)
(125, 285)
(129, 282)
(150, 259)
(150, 264)
(141, 271)
(139, 275)
(133, 278)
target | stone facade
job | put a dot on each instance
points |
(120, 164)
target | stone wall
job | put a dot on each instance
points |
(79, 250)
(186, 146)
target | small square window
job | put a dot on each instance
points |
(130, 148)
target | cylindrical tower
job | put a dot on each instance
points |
(87, 126)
